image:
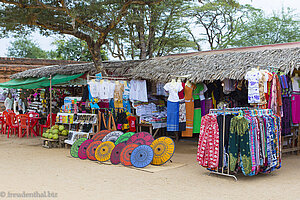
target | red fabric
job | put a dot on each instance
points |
(208, 146)
(181, 93)
(131, 121)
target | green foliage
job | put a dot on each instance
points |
(149, 31)
(73, 49)
(25, 48)
(259, 29)
(87, 20)
(220, 19)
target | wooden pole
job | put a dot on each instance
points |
(50, 87)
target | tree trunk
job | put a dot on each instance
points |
(95, 50)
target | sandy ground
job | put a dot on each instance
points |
(26, 166)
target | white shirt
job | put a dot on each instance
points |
(296, 84)
(173, 88)
(138, 90)
(111, 89)
(253, 77)
(8, 103)
(94, 88)
(103, 89)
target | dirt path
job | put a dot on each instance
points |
(26, 166)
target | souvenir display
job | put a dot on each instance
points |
(141, 138)
(104, 150)
(126, 153)
(163, 148)
(83, 148)
(124, 137)
(115, 154)
(90, 151)
(141, 156)
(75, 147)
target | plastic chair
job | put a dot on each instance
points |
(34, 122)
(2, 122)
(48, 125)
(24, 121)
(10, 119)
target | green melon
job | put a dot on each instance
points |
(45, 135)
(64, 132)
(61, 128)
(55, 131)
(55, 137)
(50, 136)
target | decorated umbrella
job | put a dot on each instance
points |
(90, 151)
(141, 138)
(100, 135)
(141, 156)
(104, 150)
(124, 137)
(75, 147)
(112, 136)
(83, 147)
(115, 154)
(163, 148)
(126, 153)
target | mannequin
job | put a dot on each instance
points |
(188, 83)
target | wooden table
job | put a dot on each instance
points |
(150, 126)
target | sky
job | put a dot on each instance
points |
(267, 5)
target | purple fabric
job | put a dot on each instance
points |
(202, 107)
(286, 119)
(208, 105)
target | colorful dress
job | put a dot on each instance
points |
(189, 105)
(197, 107)
(208, 145)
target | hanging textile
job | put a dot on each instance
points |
(182, 109)
(198, 95)
(252, 139)
(189, 104)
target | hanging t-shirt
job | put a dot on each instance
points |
(103, 89)
(126, 90)
(253, 78)
(296, 84)
(198, 93)
(138, 90)
(94, 88)
(119, 89)
(111, 89)
(131, 121)
(173, 88)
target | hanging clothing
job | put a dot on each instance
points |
(296, 83)
(296, 108)
(220, 119)
(197, 93)
(208, 145)
(239, 144)
(172, 116)
(173, 89)
(189, 105)
(286, 119)
(182, 109)
(253, 78)
(126, 93)
(138, 90)
(118, 95)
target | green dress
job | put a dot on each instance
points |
(197, 107)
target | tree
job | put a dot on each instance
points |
(220, 19)
(152, 30)
(87, 20)
(73, 49)
(25, 48)
(259, 29)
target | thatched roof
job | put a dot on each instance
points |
(112, 67)
(213, 66)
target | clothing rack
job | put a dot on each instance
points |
(107, 77)
(238, 110)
